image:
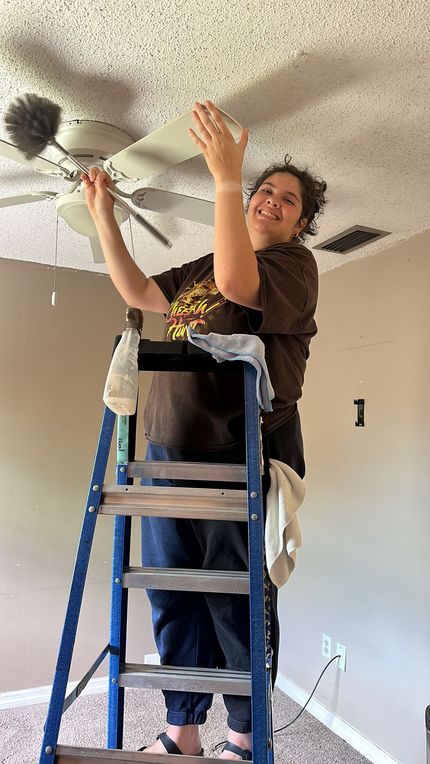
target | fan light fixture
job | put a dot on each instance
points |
(73, 209)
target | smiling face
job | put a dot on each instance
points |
(274, 213)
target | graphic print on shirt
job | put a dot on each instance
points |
(191, 307)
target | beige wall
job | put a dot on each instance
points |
(363, 572)
(53, 368)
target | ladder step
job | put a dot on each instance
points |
(167, 501)
(184, 678)
(66, 754)
(188, 471)
(184, 579)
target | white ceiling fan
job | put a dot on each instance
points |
(99, 144)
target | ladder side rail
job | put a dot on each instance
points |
(55, 710)
(119, 606)
(126, 448)
(261, 727)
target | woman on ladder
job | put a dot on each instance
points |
(260, 280)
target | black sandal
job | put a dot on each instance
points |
(170, 745)
(244, 754)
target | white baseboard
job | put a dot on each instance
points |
(43, 694)
(34, 695)
(337, 725)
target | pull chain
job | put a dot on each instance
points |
(54, 293)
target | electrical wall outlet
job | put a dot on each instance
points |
(341, 650)
(326, 646)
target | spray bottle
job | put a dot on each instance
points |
(120, 393)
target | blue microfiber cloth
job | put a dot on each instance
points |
(239, 347)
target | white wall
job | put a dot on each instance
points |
(363, 573)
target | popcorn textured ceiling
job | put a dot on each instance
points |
(343, 87)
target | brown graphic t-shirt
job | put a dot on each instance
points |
(204, 411)
(191, 308)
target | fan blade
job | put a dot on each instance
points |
(10, 151)
(96, 249)
(36, 196)
(175, 205)
(160, 150)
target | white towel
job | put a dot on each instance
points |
(282, 532)
(239, 347)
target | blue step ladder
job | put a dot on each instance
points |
(124, 500)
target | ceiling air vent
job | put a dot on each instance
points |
(352, 238)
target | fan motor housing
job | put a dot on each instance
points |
(90, 141)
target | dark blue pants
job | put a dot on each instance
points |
(208, 629)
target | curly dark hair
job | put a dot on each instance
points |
(312, 188)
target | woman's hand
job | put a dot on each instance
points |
(224, 157)
(99, 201)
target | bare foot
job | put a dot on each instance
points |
(187, 739)
(243, 740)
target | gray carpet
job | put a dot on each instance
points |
(84, 723)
